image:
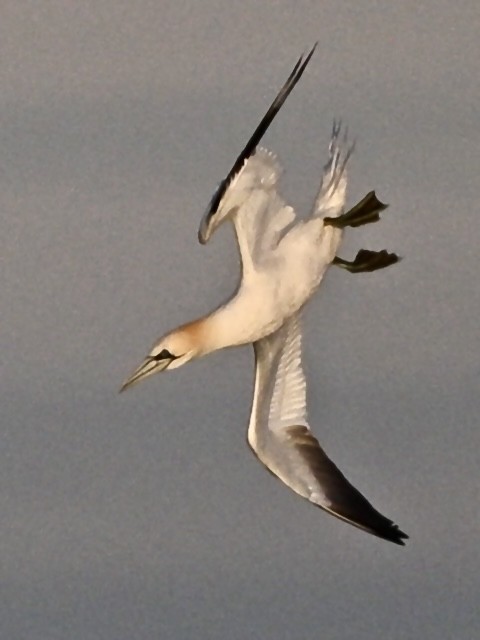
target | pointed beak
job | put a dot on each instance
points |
(148, 367)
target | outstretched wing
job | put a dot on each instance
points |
(264, 217)
(263, 220)
(280, 436)
(254, 172)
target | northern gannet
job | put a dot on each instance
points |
(283, 262)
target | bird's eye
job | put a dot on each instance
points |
(164, 355)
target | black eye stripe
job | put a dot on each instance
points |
(164, 355)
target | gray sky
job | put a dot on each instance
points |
(145, 515)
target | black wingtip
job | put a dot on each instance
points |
(261, 129)
(373, 522)
(393, 534)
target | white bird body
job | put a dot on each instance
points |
(283, 259)
(268, 296)
(283, 262)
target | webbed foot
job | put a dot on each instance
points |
(366, 261)
(364, 212)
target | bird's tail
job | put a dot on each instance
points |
(332, 193)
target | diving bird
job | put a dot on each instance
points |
(283, 261)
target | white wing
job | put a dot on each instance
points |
(262, 219)
(279, 435)
(250, 185)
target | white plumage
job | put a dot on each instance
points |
(280, 436)
(283, 262)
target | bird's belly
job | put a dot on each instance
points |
(285, 283)
(272, 300)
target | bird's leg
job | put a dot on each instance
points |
(364, 212)
(366, 260)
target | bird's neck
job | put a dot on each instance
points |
(232, 324)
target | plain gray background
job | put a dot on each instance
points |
(145, 515)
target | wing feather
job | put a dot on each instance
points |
(261, 221)
(265, 218)
(280, 436)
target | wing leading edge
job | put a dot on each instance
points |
(252, 143)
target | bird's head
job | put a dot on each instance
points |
(170, 352)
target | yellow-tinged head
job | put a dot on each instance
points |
(172, 351)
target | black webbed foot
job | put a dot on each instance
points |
(364, 212)
(366, 261)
